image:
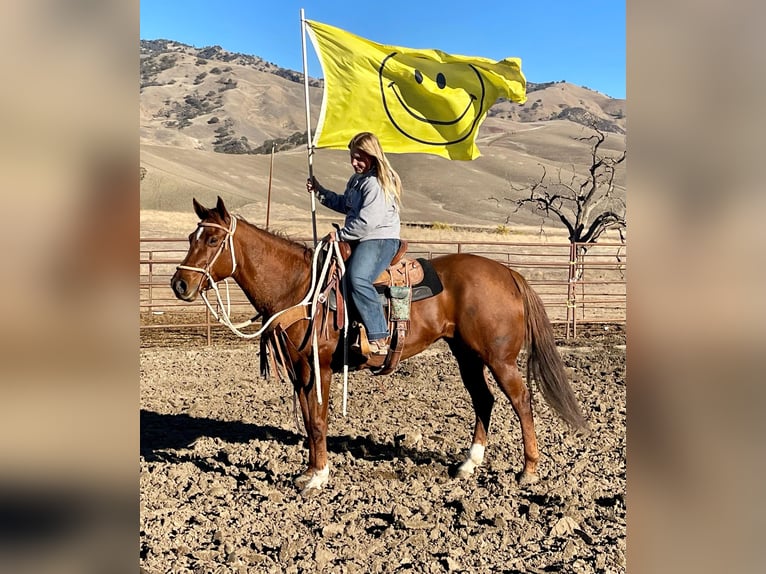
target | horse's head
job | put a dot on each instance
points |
(211, 252)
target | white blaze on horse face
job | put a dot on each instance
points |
(475, 458)
(199, 232)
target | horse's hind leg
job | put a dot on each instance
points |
(509, 378)
(475, 381)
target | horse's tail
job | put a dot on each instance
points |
(544, 363)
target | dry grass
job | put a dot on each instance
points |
(178, 225)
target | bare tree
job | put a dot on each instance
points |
(586, 205)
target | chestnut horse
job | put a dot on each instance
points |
(486, 313)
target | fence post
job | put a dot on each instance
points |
(207, 324)
(571, 294)
(577, 274)
(581, 263)
(151, 282)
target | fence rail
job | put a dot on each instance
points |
(579, 284)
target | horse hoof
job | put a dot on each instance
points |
(309, 492)
(313, 480)
(312, 487)
(528, 479)
(302, 479)
(463, 473)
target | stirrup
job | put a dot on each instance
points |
(362, 344)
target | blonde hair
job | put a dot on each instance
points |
(387, 176)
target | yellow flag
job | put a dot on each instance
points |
(415, 101)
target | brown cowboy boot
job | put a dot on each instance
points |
(378, 348)
(378, 353)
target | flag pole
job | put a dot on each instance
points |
(309, 146)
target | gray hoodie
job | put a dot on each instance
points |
(369, 213)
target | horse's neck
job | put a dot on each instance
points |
(272, 271)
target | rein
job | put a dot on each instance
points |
(313, 299)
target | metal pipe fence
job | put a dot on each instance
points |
(579, 284)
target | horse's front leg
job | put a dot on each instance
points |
(300, 391)
(315, 420)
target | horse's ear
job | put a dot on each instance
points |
(202, 212)
(222, 211)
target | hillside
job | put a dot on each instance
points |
(208, 119)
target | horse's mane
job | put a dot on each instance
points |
(283, 238)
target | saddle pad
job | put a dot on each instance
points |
(430, 285)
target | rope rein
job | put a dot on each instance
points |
(223, 316)
(311, 299)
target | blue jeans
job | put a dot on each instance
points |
(368, 260)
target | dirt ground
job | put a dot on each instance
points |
(220, 447)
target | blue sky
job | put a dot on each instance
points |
(582, 42)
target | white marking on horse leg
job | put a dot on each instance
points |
(475, 458)
(318, 479)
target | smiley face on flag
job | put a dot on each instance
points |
(429, 101)
(414, 100)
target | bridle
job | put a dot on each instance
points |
(229, 240)
(225, 309)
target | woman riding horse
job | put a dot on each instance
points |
(371, 204)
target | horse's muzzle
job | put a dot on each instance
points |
(181, 289)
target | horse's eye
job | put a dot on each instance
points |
(212, 241)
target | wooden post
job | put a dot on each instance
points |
(268, 197)
(570, 331)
